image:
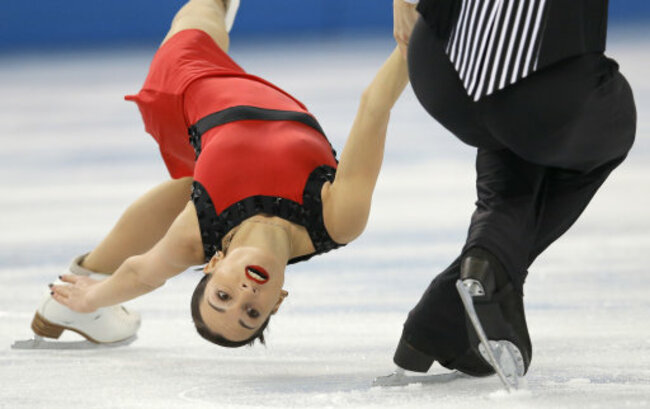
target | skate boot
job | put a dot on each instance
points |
(106, 325)
(435, 329)
(439, 329)
(495, 317)
(231, 11)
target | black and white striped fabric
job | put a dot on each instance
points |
(495, 43)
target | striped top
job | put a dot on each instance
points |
(495, 43)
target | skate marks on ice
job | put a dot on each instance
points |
(335, 383)
(39, 342)
(343, 390)
(302, 390)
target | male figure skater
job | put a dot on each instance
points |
(527, 83)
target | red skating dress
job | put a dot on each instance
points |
(252, 148)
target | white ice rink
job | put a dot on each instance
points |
(73, 155)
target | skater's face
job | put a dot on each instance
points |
(244, 289)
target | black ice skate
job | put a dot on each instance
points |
(495, 313)
(440, 329)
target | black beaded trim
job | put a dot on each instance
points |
(246, 112)
(313, 208)
(215, 226)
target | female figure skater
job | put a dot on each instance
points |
(266, 190)
(528, 84)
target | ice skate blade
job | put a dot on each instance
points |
(503, 356)
(399, 378)
(41, 343)
(509, 358)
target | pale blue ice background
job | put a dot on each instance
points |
(73, 155)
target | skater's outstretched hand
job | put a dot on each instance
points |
(75, 296)
(404, 17)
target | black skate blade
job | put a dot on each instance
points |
(399, 378)
(503, 356)
(41, 343)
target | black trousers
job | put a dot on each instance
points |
(545, 144)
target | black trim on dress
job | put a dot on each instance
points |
(248, 113)
(215, 226)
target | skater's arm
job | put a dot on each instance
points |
(178, 250)
(346, 202)
(404, 17)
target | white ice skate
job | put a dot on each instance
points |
(231, 11)
(109, 326)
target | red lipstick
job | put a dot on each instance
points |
(257, 274)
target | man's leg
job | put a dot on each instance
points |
(566, 196)
(599, 137)
(602, 136)
(141, 226)
(508, 191)
(510, 200)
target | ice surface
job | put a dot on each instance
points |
(73, 155)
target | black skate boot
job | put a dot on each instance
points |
(495, 316)
(438, 328)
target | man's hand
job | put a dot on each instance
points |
(74, 296)
(404, 17)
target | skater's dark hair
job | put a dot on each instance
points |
(214, 337)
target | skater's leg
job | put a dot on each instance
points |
(141, 226)
(567, 194)
(146, 220)
(205, 15)
(517, 223)
(435, 328)
(508, 191)
(437, 86)
(602, 135)
(509, 203)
